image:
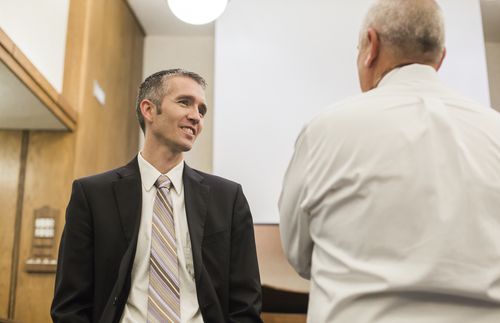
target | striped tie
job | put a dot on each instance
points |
(164, 299)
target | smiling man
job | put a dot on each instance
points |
(155, 240)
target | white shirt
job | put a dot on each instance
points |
(136, 309)
(391, 206)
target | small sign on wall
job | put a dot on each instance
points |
(43, 247)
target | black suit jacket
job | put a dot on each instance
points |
(99, 241)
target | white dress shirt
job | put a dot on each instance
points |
(136, 309)
(391, 206)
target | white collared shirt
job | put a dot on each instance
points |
(136, 309)
(391, 206)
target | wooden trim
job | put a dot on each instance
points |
(6, 42)
(27, 73)
(4, 320)
(40, 268)
(43, 83)
(137, 21)
(17, 225)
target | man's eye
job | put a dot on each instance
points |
(202, 110)
(183, 102)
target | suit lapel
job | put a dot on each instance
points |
(196, 198)
(128, 196)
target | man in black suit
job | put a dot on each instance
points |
(104, 266)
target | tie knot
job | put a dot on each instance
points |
(163, 182)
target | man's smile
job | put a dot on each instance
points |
(189, 130)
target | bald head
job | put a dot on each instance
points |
(411, 29)
(396, 33)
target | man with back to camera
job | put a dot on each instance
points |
(155, 240)
(391, 202)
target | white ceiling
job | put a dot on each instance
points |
(157, 19)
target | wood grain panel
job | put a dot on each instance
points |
(75, 63)
(107, 135)
(10, 151)
(135, 78)
(283, 318)
(275, 270)
(6, 42)
(48, 182)
(105, 44)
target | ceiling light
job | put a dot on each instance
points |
(197, 12)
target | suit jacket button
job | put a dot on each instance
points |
(115, 300)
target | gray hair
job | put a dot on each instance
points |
(412, 29)
(155, 86)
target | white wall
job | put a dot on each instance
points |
(279, 62)
(197, 55)
(38, 28)
(464, 67)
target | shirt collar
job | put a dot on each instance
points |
(149, 174)
(412, 72)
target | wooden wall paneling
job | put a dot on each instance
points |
(135, 79)
(49, 173)
(10, 152)
(18, 222)
(105, 137)
(126, 76)
(104, 44)
(283, 318)
(75, 64)
(50, 170)
(274, 268)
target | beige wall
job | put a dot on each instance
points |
(493, 62)
(195, 54)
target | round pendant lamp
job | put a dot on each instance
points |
(197, 12)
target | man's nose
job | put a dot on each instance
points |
(194, 115)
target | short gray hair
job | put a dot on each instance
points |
(154, 88)
(411, 28)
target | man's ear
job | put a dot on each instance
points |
(443, 55)
(147, 109)
(373, 47)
